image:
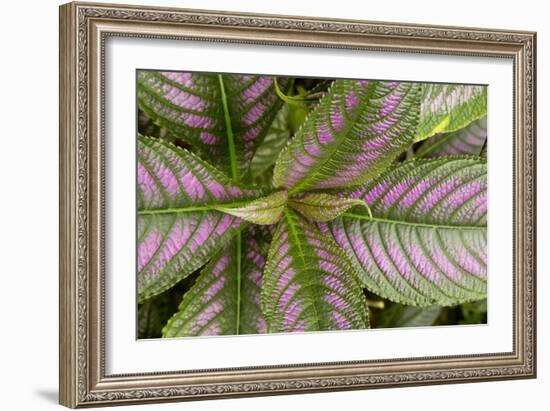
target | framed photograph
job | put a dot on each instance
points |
(259, 204)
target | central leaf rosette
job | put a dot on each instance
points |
(339, 215)
(268, 210)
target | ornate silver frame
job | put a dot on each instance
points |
(83, 30)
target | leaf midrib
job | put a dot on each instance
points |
(301, 254)
(333, 148)
(414, 224)
(190, 209)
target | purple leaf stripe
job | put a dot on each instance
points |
(426, 242)
(355, 132)
(309, 283)
(225, 299)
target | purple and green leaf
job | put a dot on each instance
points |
(322, 206)
(427, 240)
(263, 211)
(468, 140)
(178, 229)
(355, 132)
(447, 107)
(225, 299)
(225, 116)
(309, 282)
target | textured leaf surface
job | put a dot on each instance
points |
(309, 283)
(225, 299)
(276, 138)
(448, 107)
(263, 211)
(357, 130)
(178, 231)
(449, 191)
(468, 140)
(409, 316)
(323, 206)
(225, 116)
(427, 241)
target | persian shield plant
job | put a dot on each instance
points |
(287, 205)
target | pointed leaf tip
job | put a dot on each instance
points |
(355, 132)
(263, 211)
(322, 206)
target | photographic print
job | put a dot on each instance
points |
(277, 204)
(313, 183)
